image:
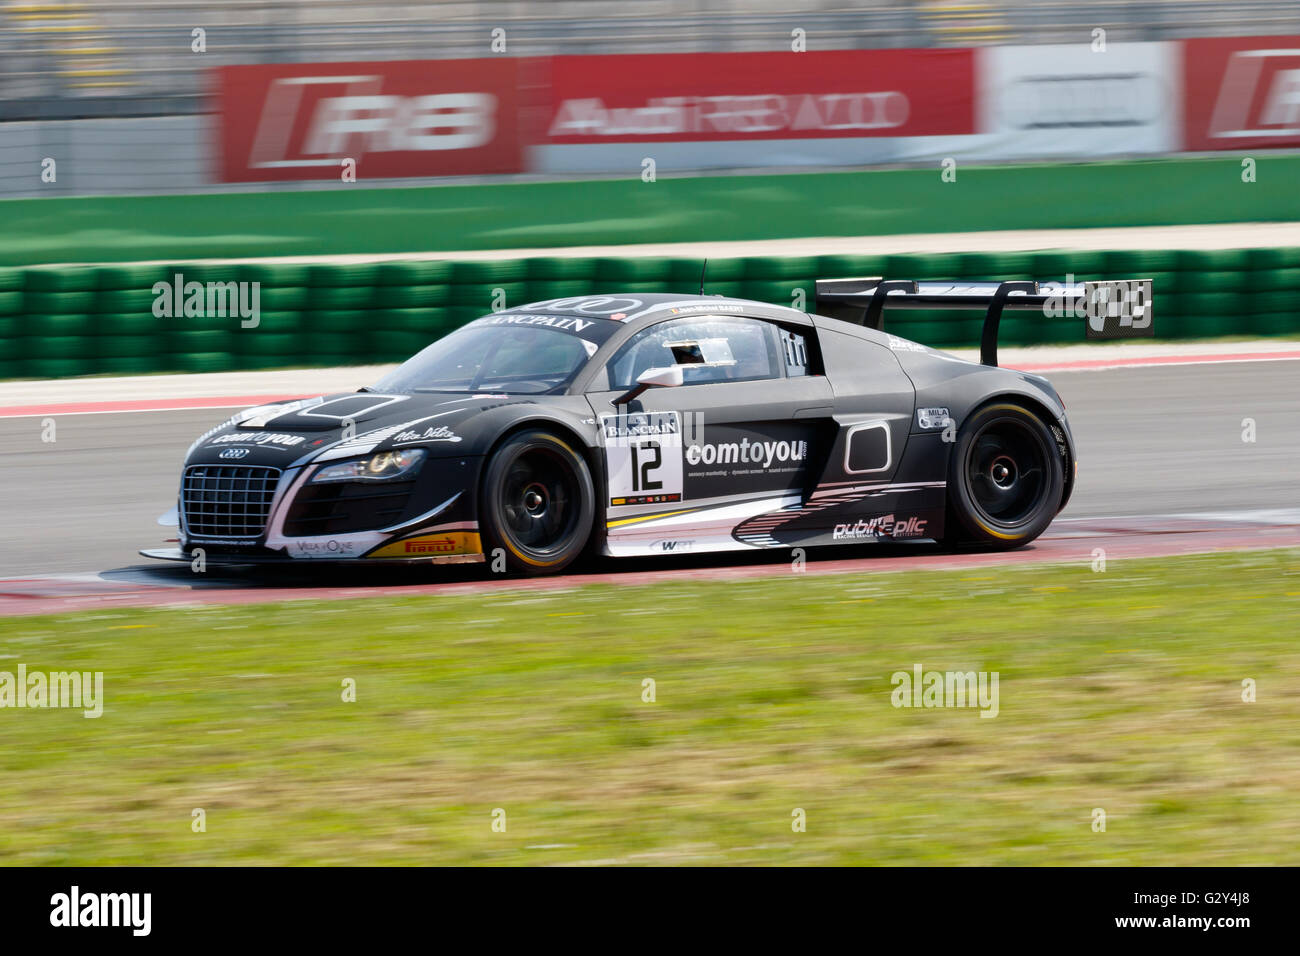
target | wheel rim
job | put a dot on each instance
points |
(1007, 471)
(539, 500)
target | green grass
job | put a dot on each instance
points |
(355, 219)
(1119, 690)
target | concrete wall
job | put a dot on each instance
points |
(105, 156)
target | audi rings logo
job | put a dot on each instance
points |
(234, 453)
(597, 305)
(1083, 101)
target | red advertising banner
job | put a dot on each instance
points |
(1241, 92)
(395, 119)
(695, 97)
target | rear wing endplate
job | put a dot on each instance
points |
(864, 301)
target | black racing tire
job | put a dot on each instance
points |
(1006, 478)
(537, 503)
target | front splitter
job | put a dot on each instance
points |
(237, 560)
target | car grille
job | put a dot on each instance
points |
(227, 501)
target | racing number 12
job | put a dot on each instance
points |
(641, 469)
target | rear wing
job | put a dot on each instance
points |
(863, 302)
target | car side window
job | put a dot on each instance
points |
(709, 348)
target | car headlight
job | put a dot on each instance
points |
(384, 466)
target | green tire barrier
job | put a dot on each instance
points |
(58, 321)
(355, 219)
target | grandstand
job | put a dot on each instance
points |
(126, 57)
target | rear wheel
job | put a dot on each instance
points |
(538, 503)
(1006, 478)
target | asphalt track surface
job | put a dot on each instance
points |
(1163, 469)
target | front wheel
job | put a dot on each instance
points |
(538, 503)
(1006, 478)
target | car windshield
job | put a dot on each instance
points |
(524, 355)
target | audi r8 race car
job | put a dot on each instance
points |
(646, 424)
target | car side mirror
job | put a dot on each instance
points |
(668, 377)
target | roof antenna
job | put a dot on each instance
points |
(703, 269)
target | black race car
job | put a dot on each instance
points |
(646, 424)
